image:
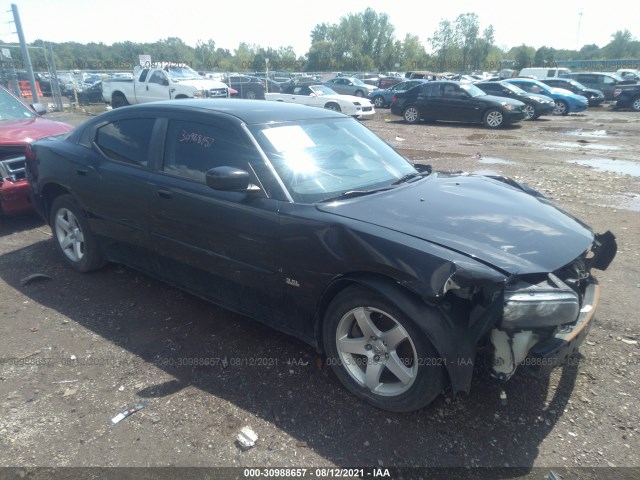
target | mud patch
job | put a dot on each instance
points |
(572, 145)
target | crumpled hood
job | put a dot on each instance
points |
(17, 132)
(477, 216)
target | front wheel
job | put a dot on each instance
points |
(530, 112)
(251, 95)
(494, 118)
(561, 108)
(333, 107)
(378, 353)
(359, 93)
(72, 235)
(635, 104)
(411, 114)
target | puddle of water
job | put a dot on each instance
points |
(494, 160)
(623, 167)
(578, 132)
(572, 145)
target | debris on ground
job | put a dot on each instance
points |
(247, 438)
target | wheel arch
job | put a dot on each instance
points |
(50, 192)
(451, 338)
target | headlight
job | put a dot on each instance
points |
(508, 106)
(549, 303)
(199, 94)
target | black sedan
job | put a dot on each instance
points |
(304, 219)
(88, 94)
(458, 102)
(535, 105)
(248, 87)
(595, 97)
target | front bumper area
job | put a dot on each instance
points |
(14, 197)
(555, 351)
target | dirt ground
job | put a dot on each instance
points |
(77, 349)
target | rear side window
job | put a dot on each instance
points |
(126, 140)
(551, 73)
(191, 149)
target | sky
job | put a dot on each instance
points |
(559, 24)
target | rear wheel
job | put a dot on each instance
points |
(251, 95)
(378, 353)
(378, 101)
(72, 235)
(411, 114)
(635, 104)
(119, 100)
(359, 93)
(494, 118)
(561, 108)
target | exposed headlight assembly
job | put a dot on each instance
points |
(546, 304)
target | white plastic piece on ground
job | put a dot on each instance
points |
(247, 438)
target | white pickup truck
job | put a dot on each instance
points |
(324, 97)
(160, 83)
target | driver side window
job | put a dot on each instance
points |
(157, 77)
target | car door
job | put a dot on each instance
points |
(341, 85)
(156, 88)
(113, 184)
(303, 96)
(222, 245)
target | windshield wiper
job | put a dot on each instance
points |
(356, 193)
(411, 176)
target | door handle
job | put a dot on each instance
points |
(166, 194)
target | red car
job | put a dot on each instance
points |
(19, 126)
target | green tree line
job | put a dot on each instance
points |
(364, 41)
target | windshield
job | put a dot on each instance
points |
(321, 159)
(182, 73)
(472, 90)
(13, 109)
(513, 88)
(357, 81)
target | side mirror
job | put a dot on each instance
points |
(228, 179)
(38, 108)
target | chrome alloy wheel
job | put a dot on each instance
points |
(69, 235)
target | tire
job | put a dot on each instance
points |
(359, 93)
(374, 350)
(333, 107)
(72, 236)
(119, 100)
(251, 95)
(411, 114)
(530, 112)
(378, 101)
(635, 104)
(493, 118)
(561, 108)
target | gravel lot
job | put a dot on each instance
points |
(77, 349)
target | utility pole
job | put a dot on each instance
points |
(25, 53)
(578, 33)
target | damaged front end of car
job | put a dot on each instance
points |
(546, 317)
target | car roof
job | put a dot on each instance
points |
(247, 111)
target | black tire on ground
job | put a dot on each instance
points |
(378, 353)
(359, 93)
(72, 235)
(635, 104)
(531, 113)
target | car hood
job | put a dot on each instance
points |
(502, 100)
(533, 96)
(23, 131)
(478, 216)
